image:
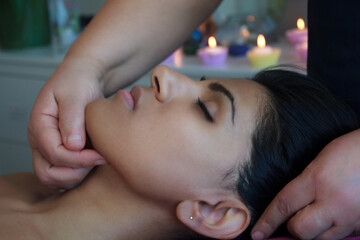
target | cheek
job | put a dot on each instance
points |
(106, 120)
(161, 153)
(95, 113)
(172, 163)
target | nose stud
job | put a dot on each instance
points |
(191, 218)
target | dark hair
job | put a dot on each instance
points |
(298, 117)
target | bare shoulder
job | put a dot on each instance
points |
(23, 186)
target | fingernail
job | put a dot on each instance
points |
(100, 162)
(257, 236)
(74, 139)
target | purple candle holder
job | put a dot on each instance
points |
(213, 56)
(302, 50)
(296, 36)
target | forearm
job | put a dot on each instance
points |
(134, 35)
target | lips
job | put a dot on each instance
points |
(131, 98)
(136, 93)
(127, 98)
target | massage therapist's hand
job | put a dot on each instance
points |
(324, 201)
(56, 127)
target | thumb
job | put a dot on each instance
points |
(294, 196)
(72, 123)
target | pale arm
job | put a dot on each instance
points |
(135, 35)
(127, 37)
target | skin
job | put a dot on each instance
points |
(169, 123)
(152, 182)
(329, 203)
(103, 207)
(97, 65)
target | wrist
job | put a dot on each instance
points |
(92, 70)
(94, 65)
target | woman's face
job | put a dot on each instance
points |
(178, 138)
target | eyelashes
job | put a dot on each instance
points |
(205, 110)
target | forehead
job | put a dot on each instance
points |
(242, 88)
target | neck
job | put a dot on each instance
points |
(105, 207)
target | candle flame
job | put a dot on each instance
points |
(212, 42)
(261, 42)
(301, 24)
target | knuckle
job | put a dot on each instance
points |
(51, 182)
(304, 226)
(298, 231)
(46, 180)
(77, 178)
(322, 177)
(39, 172)
(43, 175)
(81, 176)
(283, 205)
(73, 181)
(76, 181)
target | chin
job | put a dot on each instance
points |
(93, 121)
(105, 126)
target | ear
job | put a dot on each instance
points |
(226, 219)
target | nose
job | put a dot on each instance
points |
(169, 83)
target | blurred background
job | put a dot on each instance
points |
(35, 35)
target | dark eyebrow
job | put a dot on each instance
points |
(217, 87)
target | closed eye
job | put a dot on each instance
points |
(205, 110)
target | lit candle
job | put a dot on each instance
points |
(213, 55)
(299, 34)
(263, 56)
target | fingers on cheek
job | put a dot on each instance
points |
(309, 223)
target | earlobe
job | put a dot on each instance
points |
(223, 220)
